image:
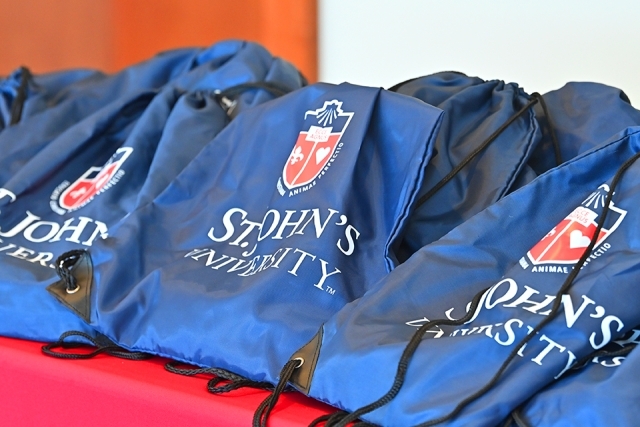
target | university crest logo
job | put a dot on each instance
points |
(316, 148)
(96, 180)
(566, 242)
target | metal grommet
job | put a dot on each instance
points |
(300, 359)
(73, 291)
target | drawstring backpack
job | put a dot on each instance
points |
(79, 195)
(222, 66)
(75, 188)
(81, 92)
(72, 95)
(574, 119)
(488, 132)
(581, 115)
(600, 391)
(473, 325)
(282, 219)
(22, 94)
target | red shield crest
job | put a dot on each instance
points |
(567, 241)
(316, 146)
(82, 190)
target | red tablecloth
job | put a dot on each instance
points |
(37, 390)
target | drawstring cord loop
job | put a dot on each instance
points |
(64, 264)
(101, 343)
(219, 375)
(264, 410)
(415, 339)
(534, 99)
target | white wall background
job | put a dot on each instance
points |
(539, 44)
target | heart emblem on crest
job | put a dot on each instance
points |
(578, 240)
(322, 153)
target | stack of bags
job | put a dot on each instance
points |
(452, 251)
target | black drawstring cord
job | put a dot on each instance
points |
(331, 419)
(213, 387)
(337, 416)
(327, 418)
(397, 86)
(551, 128)
(624, 351)
(219, 375)
(508, 421)
(415, 340)
(556, 304)
(64, 264)
(192, 371)
(261, 415)
(100, 342)
(403, 364)
(534, 99)
(273, 88)
(226, 97)
(517, 416)
(21, 96)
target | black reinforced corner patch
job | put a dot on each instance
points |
(79, 301)
(310, 352)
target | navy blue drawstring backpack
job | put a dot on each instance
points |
(488, 133)
(474, 324)
(69, 96)
(23, 94)
(222, 66)
(281, 220)
(581, 115)
(80, 92)
(69, 194)
(72, 190)
(604, 391)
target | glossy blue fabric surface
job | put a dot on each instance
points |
(213, 259)
(79, 93)
(583, 115)
(40, 91)
(474, 109)
(30, 221)
(67, 97)
(237, 263)
(604, 393)
(147, 136)
(491, 250)
(223, 65)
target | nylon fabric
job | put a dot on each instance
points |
(81, 92)
(75, 94)
(39, 225)
(583, 115)
(68, 192)
(40, 91)
(218, 67)
(230, 234)
(602, 393)
(258, 241)
(474, 109)
(521, 249)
